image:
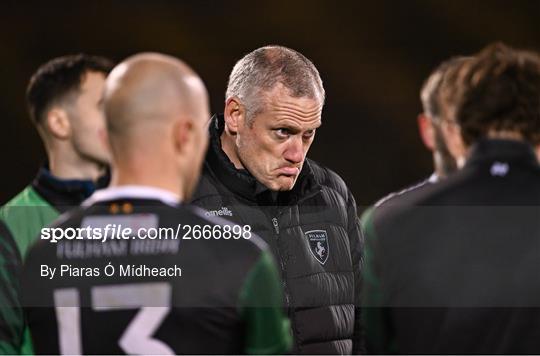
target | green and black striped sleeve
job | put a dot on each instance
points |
(12, 323)
(261, 306)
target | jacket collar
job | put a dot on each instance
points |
(65, 193)
(242, 183)
(488, 150)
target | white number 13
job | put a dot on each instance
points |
(137, 338)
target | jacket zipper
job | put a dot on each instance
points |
(275, 223)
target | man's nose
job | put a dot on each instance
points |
(294, 152)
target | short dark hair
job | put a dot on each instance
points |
(499, 89)
(429, 94)
(59, 77)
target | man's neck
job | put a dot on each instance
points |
(146, 176)
(505, 135)
(74, 168)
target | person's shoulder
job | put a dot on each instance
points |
(398, 205)
(209, 188)
(27, 197)
(70, 218)
(327, 178)
(249, 240)
(25, 214)
(23, 208)
(207, 183)
(420, 198)
(405, 194)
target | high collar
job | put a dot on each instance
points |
(65, 193)
(489, 150)
(242, 183)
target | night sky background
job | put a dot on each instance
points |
(373, 57)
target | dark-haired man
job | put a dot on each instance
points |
(256, 172)
(452, 268)
(63, 98)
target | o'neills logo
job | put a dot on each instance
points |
(224, 211)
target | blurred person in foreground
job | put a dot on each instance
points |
(453, 267)
(63, 98)
(429, 125)
(177, 295)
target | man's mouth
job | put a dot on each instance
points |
(289, 171)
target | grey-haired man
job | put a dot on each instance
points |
(256, 172)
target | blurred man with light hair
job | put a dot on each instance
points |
(452, 268)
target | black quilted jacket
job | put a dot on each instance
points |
(314, 233)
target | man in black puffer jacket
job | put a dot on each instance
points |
(256, 174)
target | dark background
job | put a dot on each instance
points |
(373, 57)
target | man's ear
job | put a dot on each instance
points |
(425, 126)
(57, 124)
(234, 114)
(182, 134)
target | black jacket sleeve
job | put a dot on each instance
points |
(357, 244)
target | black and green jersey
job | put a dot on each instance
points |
(11, 314)
(452, 267)
(377, 334)
(25, 215)
(196, 290)
(21, 220)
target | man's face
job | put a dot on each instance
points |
(88, 121)
(273, 145)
